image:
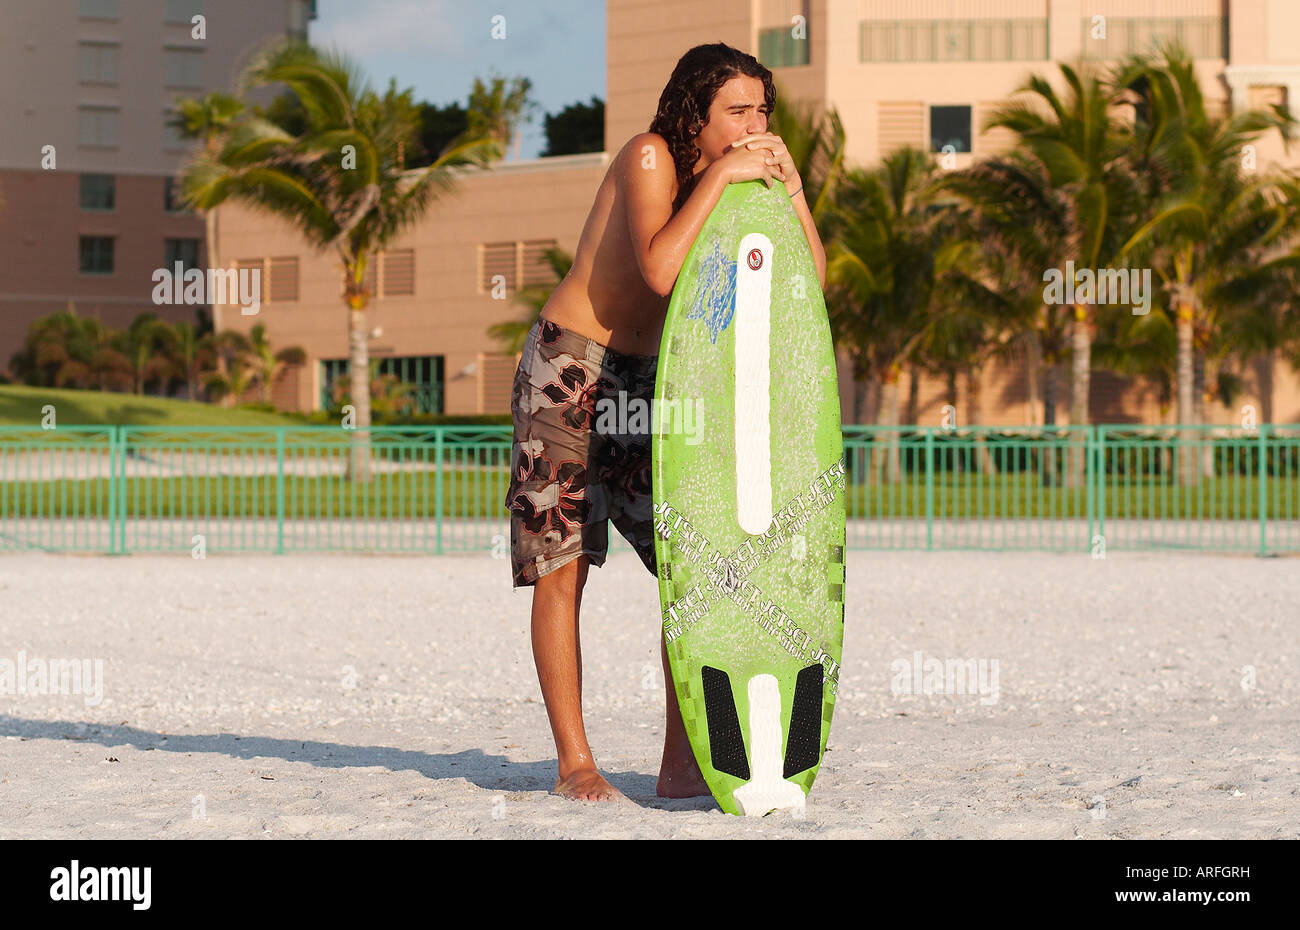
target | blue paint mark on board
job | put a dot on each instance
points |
(714, 300)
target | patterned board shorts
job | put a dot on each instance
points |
(573, 469)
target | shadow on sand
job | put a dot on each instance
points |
(487, 771)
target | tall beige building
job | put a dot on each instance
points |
(924, 72)
(86, 157)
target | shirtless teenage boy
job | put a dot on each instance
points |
(598, 336)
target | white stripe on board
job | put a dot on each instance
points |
(753, 377)
(767, 790)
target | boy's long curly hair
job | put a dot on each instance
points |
(684, 104)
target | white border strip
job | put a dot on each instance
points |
(753, 384)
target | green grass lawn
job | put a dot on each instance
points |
(1022, 495)
(465, 494)
(479, 492)
(22, 406)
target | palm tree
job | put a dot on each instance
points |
(67, 350)
(391, 395)
(815, 140)
(496, 111)
(881, 250)
(512, 334)
(1022, 224)
(1079, 141)
(235, 371)
(979, 312)
(1215, 233)
(207, 119)
(150, 345)
(270, 364)
(193, 356)
(1268, 329)
(340, 183)
(1140, 346)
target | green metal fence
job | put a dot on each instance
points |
(1085, 489)
(120, 489)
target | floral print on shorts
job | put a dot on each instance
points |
(569, 475)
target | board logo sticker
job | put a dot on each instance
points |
(714, 300)
(755, 259)
(730, 579)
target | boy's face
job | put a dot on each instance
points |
(736, 111)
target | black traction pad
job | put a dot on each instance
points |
(726, 743)
(803, 747)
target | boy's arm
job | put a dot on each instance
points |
(801, 209)
(660, 239)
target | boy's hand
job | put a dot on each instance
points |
(742, 164)
(770, 143)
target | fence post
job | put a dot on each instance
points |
(120, 546)
(279, 490)
(1263, 489)
(114, 505)
(1091, 439)
(437, 488)
(929, 487)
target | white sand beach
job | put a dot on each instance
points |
(1143, 695)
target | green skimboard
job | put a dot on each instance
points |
(748, 462)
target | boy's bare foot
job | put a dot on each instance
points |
(679, 777)
(586, 785)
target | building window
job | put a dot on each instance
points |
(96, 254)
(185, 251)
(98, 9)
(779, 48)
(534, 268)
(97, 62)
(172, 201)
(97, 127)
(497, 259)
(284, 280)
(390, 274)
(181, 11)
(422, 375)
(172, 137)
(950, 126)
(257, 273)
(900, 122)
(1201, 36)
(183, 67)
(521, 264)
(97, 191)
(399, 273)
(952, 40)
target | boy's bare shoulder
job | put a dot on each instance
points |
(642, 144)
(647, 152)
(642, 139)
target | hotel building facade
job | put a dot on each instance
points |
(920, 72)
(87, 159)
